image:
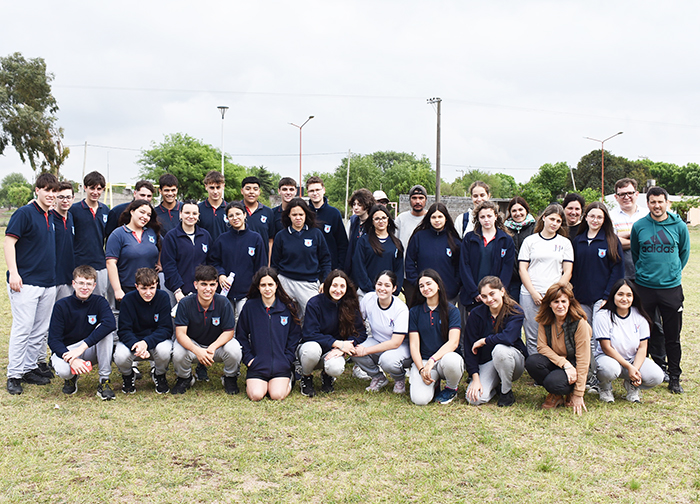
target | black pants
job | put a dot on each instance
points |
(551, 377)
(669, 302)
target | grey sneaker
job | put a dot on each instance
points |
(378, 382)
(400, 387)
(632, 392)
(104, 390)
(606, 395)
(592, 385)
(360, 373)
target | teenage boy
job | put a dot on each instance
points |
(168, 212)
(212, 211)
(65, 231)
(287, 189)
(624, 217)
(30, 253)
(89, 222)
(204, 332)
(142, 190)
(660, 246)
(81, 331)
(260, 218)
(329, 220)
(145, 332)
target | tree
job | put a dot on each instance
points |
(502, 186)
(268, 182)
(554, 178)
(588, 170)
(10, 180)
(683, 207)
(190, 160)
(536, 196)
(18, 195)
(27, 113)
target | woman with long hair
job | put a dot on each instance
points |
(479, 192)
(268, 330)
(433, 336)
(377, 250)
(435, 244)
(185, 247)
(545, 258)
(563, 346)
(622, 329)
(300, 254)
(494, 352)
(332, 329)
(521, 224)
(386, 349)
(133, 245)
(487, 251)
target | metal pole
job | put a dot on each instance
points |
(602, 163)
(84, 161)
(300, 127)
(347, 188)
(437, 153)
(222, 109)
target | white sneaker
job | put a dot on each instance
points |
(632, 392)
(359, 373)
(377, 383)
(606, 396)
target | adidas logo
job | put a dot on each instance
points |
(659, 244)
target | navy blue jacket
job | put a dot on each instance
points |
(270, 336)
(321, 323)
(180, 257)
(262, 221)
(301, 255)
(502, 261)
(35, 250)
(431, 249)
(366, 265)
(330, 222)
(594, 271)
(74, 320)
(277, 212)
(168, 219)
(480, 324)
(89, 242)
(214, 220)
(113, 218)
(355, 232)
(242, 252)
(65, 261)
(139, 320)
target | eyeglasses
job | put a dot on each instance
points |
(61, 197)
(628, 194)
(84, 284)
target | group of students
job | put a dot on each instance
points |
(296, 293)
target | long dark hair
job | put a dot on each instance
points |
(153, 223)
(372, 234)
(607, 228)
(488, 205)
(636, 300)
(348, 305)
(509, 307)
(554, 208)
(546, 316)
(310, 219)
(450, 231)
(443, 305)
(281, 294)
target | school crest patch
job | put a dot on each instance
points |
(308, 242)
(216, 321)
(104, 219)
(448, 251)
(284, 320)
(225, 219)
(327, 228)
(156, 317)
(205, 248)
(602, 252)
(92, 319)
(263, 219)
(503, 252)
(251, 251)
(152, 239)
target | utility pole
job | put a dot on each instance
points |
(84, 160)
(437, 154)
(222, 109)
(602, 162)
(347, 188)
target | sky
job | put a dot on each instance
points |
(521, 82)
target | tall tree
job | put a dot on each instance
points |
(588, 170)
(28, 113)
(554, 178)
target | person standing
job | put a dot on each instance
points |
(168, 212)
(287, 189)
(521, 224)
(212, 211)
(624, 216)
(660, 246)
(573, 209)
(407, 222)
(31, 277)
(361, 202)
(260, 218)
(65, 259)
(480, 192)
(143, 190)
(328, 220)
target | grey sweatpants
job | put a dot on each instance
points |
(230, 354)
(124, 358)
(506, 365)
(100, 354)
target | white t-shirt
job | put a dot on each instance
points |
(546, 258)
(384, 323)
(624, 334)
(459, 224)
(406, 223)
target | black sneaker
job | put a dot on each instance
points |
(327, 383)
(35, 379)
(182, 385)
(230, 384)
(43, 369)
(160, 381)
(129, 383)
(674, 385)
(507, 399)
(14, 386)
(201, 373)
(307, 386)
(104, 390)
(70, 387)
(135, 371)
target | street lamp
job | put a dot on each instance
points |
(602, 162)
(222, 109)
(296, 126)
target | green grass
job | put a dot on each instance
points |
(350, 446)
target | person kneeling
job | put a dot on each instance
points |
(204, 332)
(494, 353)
(145, 331)
(80, 334)
(268, 332)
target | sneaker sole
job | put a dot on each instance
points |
(103, 397)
